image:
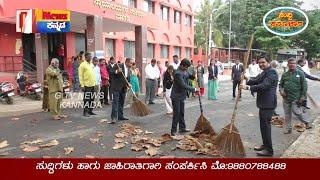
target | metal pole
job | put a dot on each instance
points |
(210, 36)
(229, 55)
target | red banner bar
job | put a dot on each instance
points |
(157, 168)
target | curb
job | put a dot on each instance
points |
(297, 149)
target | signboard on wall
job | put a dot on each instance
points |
(24, 21)
(52, 21)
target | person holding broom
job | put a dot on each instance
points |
(265, 85)
(119, 88)
(178, 96)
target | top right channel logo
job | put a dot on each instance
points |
(285, 21)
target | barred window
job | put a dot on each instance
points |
(150, 50)
(165, 51)
(129, 49)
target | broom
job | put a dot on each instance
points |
(138, 108)
(203, 125)
(228, 139)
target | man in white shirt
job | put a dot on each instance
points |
(176, 62)
(152, 74)
(96, 70)
(254, 69)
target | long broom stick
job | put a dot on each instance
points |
(142, 108)
(229, 139)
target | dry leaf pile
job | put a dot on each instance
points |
(277, 121)
(140, 140)
(200, 143)
(301, 127)
(31, 146)
(4, 144)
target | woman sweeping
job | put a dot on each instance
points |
(134, 80)
(167, 86)
(212, 81)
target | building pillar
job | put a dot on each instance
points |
(171, 54)
(119, 49)
(141, 50)
(94, 33)
(42, 56)
(157, 51)
(183, 52)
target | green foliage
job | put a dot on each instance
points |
(247, 17)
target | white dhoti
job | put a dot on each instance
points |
(167, 99)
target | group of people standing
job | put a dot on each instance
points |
(293, 89)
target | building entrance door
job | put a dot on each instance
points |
(29, 53)
(56, 47)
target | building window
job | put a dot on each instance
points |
(109, 44)
(177, 15)
(188, 20)
(165, 51)
(148, 6)
(129, 49)
(150, 50)
(165, 13)
(130, 3)
(188, 52)
(177, 51)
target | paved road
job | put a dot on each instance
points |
(78, 132)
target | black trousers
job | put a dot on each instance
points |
(88, 98)
(235, 85)
(117, 105)
(178, 115)
(265, 116)
(104, 90)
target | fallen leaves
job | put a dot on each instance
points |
(4, 144)
(50, 144)
(300, 127)
(34, 120)
(152, 151)
(89, 156)
(67, 122)
(141, 140)
(250, 115)
(28, 148)
(15, 119)
(277, 121)
(4, 154)
(137, 147)
(102, 121)
(68, 150)
(120, 135)
(165, 137)
(119, 146)
(94, 140)
(37, 141)
(118, 140)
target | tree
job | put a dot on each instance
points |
(309, 38)
(202, 25)
(270, 42)
(246, 16)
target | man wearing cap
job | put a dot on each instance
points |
(178, 96)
